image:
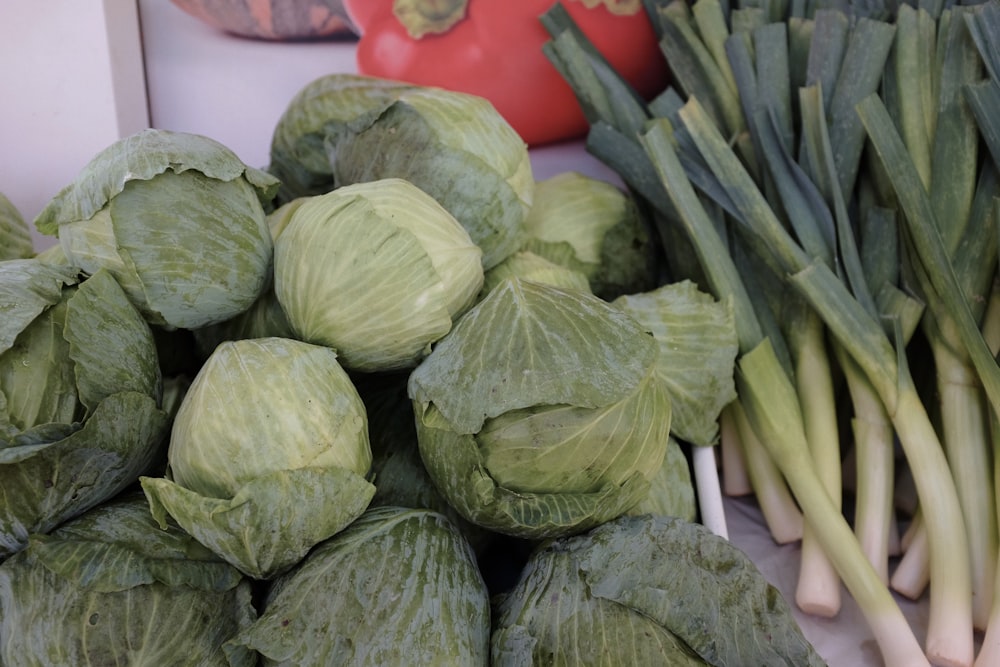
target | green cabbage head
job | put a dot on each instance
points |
(176, 218)
(377, 271)
(268, 454)
(541, 413)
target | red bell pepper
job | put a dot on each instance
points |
(494, 49)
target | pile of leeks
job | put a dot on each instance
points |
(831, 168)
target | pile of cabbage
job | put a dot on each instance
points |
(387, 401)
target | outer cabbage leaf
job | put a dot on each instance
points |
(15, 237)
(61, 360)
(37, 377)
(27, 288)
(551, 617)
(321, 112)
(115, 358)
(44, 483)
(272, 521)
(573, 449)
(397, 587)
(101, 589)
(671, 492)
(673, 574)
(527, 265)
(141, 157)
(458, 149)
(456, 466)
(527, 344)
(697, 361)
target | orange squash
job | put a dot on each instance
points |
(272, 19)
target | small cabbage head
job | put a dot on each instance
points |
(541, 413)
(592, 226)
(646, 590)
(80, 396)
(111, 587)
(15, 237)
(268, 454)
(455, 147)
(377, 271)
(398, 586)
(176, 218)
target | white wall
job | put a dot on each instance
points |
(71, 83)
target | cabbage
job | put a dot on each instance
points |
(645, 590)
(591, 226)
(268, 454)
(455, 147)
(322, 111)
(176, 218)
(112, 588)
(377, 271)
(397, 587)
(541, 413)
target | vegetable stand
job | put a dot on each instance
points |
(233, 90)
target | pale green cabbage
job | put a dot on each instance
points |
(377, 271)
(592, 226)
(321, 112)
(541, 413)
(268, 454)
(455, 147)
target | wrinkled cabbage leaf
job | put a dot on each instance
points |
(397, 587)
(105, 588)
(15, 237)
(527, 344)
(646, 590)
(272, 521)
(697, 361)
